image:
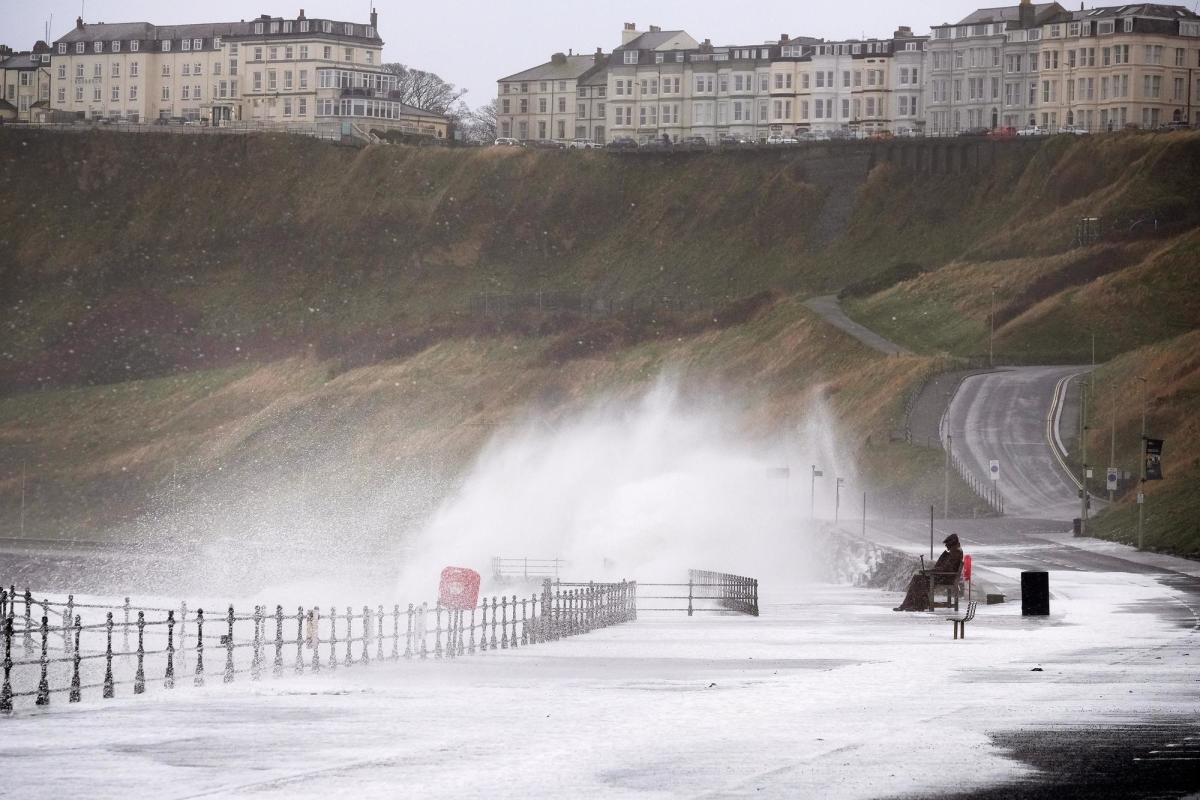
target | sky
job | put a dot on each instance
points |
(472, 43)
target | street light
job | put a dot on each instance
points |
(837, 498)
(992, 327)
(812, 491)
(1141, 497)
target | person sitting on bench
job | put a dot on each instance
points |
(944, 572)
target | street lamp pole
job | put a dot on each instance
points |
(1112, 447)
(992, 328)
(1141, 498)
(837, 499)
(1083, 431)
(946, 480)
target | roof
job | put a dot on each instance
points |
(1006, 13)
(144, 31)
(419, 112)
(108, 32)
(568, 68)
(803, 40)
(651, 40)
(21, 61)
(597, 76)
(1137, 10)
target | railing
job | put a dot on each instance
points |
(526, 568)
(68, 647)
(706, 591)
(986, 489)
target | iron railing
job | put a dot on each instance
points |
(706, 591)
(68, 647)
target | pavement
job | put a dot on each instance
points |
(831, 311)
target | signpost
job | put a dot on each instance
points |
(994, 469)
(1113, 479)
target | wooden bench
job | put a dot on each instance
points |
(960, 623)
(951, 582)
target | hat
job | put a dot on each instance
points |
(951, 540)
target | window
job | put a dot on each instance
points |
(505, 106)
(166, 93)
(658, 58)
(302, 107)
(97, 70)
(524, 106)
(233, 66)
(116, 69)
(327, 53)
(287, 26)
(287, 106)
(216, 43)
(187, 70)
(272, 53)
(542, 105)
(62, 72)
(1154, 53)
(116, 94)
(580, 110)
(1104, 27)
(562, 105)
(62, 95)
(78, 94)
(287, 80)
(257, 77)
(98, 47)
(186, 93)
(166, 46)
(274, 28)
(185, 45)
(348, 29)
(80, 47)
(631, 56)
(327, 26)
(133, 47)
(304, 52)
(62, 48)
(272, 82)
(303, 79)
(349, 54)
(258, 28)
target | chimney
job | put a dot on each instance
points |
(558, 58)
(903, 32)
(301, 17)
(706, 46)
(783, 37)
(598, 59)
(1028, 14)
(79, 23)
(629, 33)
(655, 29)
(374, 19)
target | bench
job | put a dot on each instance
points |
(960, 623)
(951, 582)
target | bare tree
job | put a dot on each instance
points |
(480, 124)
(424, 90)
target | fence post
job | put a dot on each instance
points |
(229, 646)
(422, 613)
(379, 632)
(67, 623)
(408, 652)
(277, 666)
(503, 622)
(27, 639)
(256, 655)
(631, 614)
(139, 678)
(437, 630)
(43, 691)
(512, 640)
(333, 637)
(6, 689)
(349, 636)
(366, 635)
(524, 622)
(689, 596)
(483, 642)
(182, 628)
(316, 638)
(299, 666)
(74, 695)
(198, 680)
(462, 647)
(125, 629)
(108, 654)
(169, 678)
(471, 646)
(494, 615)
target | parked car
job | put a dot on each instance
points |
(1005, 132)
(882, 136)
(505, 141)
(581, 144)
(694, 141)
(623, 143)
(777, 138)
(1032, 130)
(1175, 125)
(1077, 130)
(976, 131)
(733, 141)
(911, 133)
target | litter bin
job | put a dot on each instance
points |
(1077, 526)
(1035, 594)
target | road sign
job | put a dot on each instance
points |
(1141, 498)
(1089, 472)
(1113, 477)
(994, 469)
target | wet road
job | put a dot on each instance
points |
(1004, 416)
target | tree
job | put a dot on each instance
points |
(423, 90)
(480, 124)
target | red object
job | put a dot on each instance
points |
(459, 588)
(967, 568)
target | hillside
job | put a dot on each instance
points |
(278, 329)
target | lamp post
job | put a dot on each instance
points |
(812, 491)
(1141, 497)
(992, 328)
(837, 499)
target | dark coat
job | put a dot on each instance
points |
(950, 561)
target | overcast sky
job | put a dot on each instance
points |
(471, 43)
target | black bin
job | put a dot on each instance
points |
(1035, 594)
(1077, 526)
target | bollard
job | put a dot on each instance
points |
(408, 651)
(74, 695)
(333, 637)
(108, 654)
(169, 678)
(503, 622)
(349, 636)
(482, 628)
(139, 678)
(471, 645)
(198, 679)
(379, 633)
(229, 647)
(298, 667)
(43, 690)
(256, 657)
(6, 689)
(277, 667)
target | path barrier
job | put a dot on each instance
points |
(985, 488)
(706, 592)
(58, 646)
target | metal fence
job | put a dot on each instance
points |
(526, 568)
(985, 488)
(65, 647)
(706, 591)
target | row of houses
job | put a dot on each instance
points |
(1013, 66)
(272, 71)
